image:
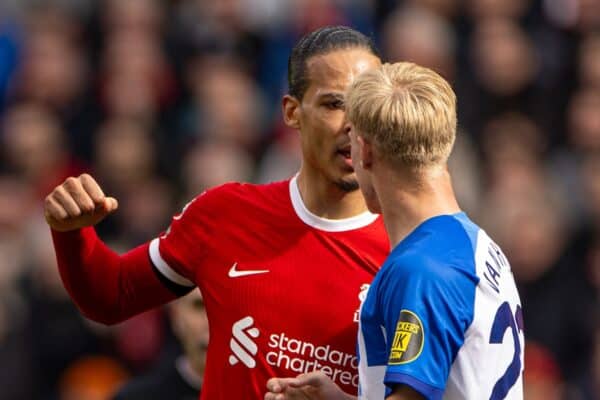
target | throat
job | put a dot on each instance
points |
(329, 200)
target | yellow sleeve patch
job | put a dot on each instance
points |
(409, 338)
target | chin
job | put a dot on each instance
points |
(348, 184)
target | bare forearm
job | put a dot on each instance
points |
(403, 392)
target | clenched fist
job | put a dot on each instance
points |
(77, 203)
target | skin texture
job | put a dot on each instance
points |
(313, 386)
(404, 393)
(77, 203)
(362, 153)
(317, 386)
(406, 197)
(327, 181)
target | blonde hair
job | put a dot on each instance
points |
(407, 111)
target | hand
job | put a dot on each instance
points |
(311, 386)
(77, 203)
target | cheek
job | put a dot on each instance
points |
(335, 120)
(331, 121)
(320, 129)
(315, 137)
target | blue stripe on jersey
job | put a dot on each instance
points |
(432, 275)
(426, 390)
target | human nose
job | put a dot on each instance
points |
(347, 128)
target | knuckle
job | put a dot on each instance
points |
(56, 194)
(62, 194)
(60, 191)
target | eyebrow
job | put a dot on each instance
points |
(336, 96)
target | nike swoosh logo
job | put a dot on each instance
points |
(234, 273)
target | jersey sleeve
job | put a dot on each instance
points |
(107, 287)
(182, 248)
(427, 310)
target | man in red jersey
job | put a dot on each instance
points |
(268, 259)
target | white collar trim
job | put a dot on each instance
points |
(325, 224)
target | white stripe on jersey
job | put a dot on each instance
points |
(164, 268)
(475, 369)
(371, 377)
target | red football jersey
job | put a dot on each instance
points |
(281, 286)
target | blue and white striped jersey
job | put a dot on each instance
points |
(443, 316)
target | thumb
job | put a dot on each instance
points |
(314, 379)
(278, 385)
(110, 205)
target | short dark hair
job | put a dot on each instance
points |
(321, 41)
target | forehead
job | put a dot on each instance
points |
(335, 70)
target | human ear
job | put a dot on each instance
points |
(365, 152)
(291, 111)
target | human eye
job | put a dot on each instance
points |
(336, 104)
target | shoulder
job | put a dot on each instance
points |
(435, 286)
(244, 190)
(440, 254)
(444, 246)
(233, 195)
(428, 271)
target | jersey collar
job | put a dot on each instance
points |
(325, 224)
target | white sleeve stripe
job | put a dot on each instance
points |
(164, 268)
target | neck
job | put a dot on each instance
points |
(325, 199)
(406, 200)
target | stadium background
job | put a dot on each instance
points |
(161, 99)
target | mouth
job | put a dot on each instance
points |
(346, 157)
(345, 152)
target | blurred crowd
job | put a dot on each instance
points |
(160, 99)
